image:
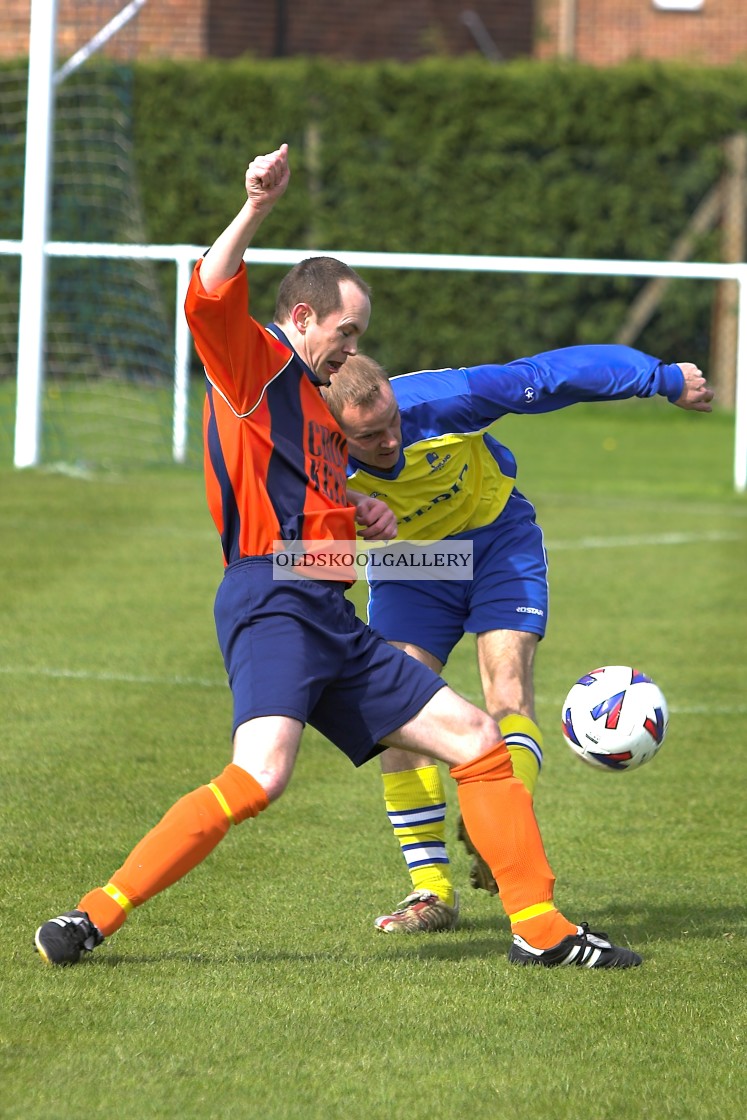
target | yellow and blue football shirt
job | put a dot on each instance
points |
(452, 475)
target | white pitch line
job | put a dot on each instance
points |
(200, 682)
(654, 540)
(705, 710)
(116, 678)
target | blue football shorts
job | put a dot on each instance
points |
(297, 648)
(508, 589)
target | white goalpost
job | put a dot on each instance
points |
(36, 186)
(184, 256)
(35, 250)
(36, 193)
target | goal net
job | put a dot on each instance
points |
(109, 346)
(116, 386)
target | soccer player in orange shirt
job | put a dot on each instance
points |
(294, 649)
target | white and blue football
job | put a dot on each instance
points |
(615, 718)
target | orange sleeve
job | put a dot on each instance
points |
(239, 355)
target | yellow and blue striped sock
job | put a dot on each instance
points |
(416, 806)
(524, 742)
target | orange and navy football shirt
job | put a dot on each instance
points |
(275, 459)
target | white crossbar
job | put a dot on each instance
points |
(184, 256)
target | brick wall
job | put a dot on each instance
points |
(352, 29)
(605, 32)
(365, 29)
(602, 32)
(162, 28)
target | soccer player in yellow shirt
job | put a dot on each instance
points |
(420, 442)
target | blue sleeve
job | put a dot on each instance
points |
(557, 378)
(433, 402)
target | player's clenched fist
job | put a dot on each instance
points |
(697, 394)
(267, 176)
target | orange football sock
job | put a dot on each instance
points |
(183, 838)
(499, 817)
(543, 930)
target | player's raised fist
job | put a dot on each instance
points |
(267, 176)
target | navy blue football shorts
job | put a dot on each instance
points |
(297, 648)
(508, 589)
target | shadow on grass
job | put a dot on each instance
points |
(644, 922)
(625, 923)
(443, 947)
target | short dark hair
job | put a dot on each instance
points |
(315, 281)
(359, 382)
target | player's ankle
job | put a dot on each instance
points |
(544, 930)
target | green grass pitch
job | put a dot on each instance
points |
(258, 987)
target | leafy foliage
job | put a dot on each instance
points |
(456, 156)
(441, 156)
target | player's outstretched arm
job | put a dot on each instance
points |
(265, 181)
(696, 394)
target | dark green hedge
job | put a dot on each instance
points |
(441, 156)
(454, 157)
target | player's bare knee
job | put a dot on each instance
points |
(273, 783)
(479, 733)
(460, 726)
(266, 748)
(272, 780)
(271, 773)
(486, 734)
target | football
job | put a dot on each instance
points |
(615, 718)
